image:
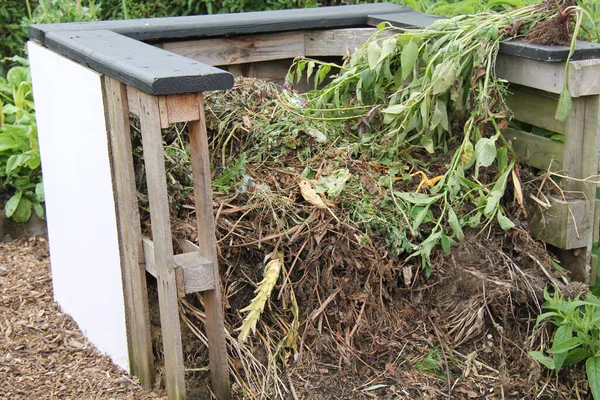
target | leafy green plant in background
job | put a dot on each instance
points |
(12, 36)
(19, 153)
(577, 336)
(55, 11)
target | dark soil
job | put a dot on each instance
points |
(557, 31)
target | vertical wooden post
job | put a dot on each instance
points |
(208, 248)
(149, 113)
(130, 234)
(580, 159)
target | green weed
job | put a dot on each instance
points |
(577, 336)
(19, 153)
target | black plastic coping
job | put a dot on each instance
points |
(115, 48)
(518, 47)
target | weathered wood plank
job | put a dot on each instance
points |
(196, 270)
(583, 76)
(208, 246)
(197, 26)
(244, 49)
(177, 108)
(163, 247)
(566, 224)
(534, 107)
(537, 150)
(335, 42)
(135, 63)
(137, 316)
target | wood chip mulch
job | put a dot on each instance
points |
(43, 355)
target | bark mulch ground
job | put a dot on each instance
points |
(43, 355)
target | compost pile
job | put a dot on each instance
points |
(378, 223)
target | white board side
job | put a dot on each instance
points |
(84, 249)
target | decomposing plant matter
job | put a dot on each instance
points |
(359, 190)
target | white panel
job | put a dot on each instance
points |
(84, 249)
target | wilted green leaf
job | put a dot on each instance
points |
(485, 152)
(565, 104)
(408, 58)
(419, 199)
(444, 76)
(334, 183)
(373, 52)
(505, 222)
(455, 224)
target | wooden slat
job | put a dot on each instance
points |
(335, 42)
(207, 245)
(566, 225)
(163, 247)
(241, 49)
(583, 76)
(178, 108)
(534, 107)
(537, 150)
(196, 270)
(137, 317)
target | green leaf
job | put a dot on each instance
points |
(545, 315)
(18, 208)
(387, 48)
(455, 224)
(497, 192)
(39, 192)
(565, 104)
(575, 356)
(565, 346)
(396, 109)
(334, 183)
(418, 214)
(542, 359)
(427, 142)
(441, 113)
(563, 334)
(39, 210)
(446, 243)
(408, 58)
(592, 367)
(16, 75)
(505, 222)
(12, 204)
(444, 76)
(309, 70)
(373, 52)
(502, 156)
(419, 199)
(485, 152)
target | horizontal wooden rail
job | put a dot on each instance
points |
(537, 150)
(274, 46)
(194, 272)
(135, 63)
